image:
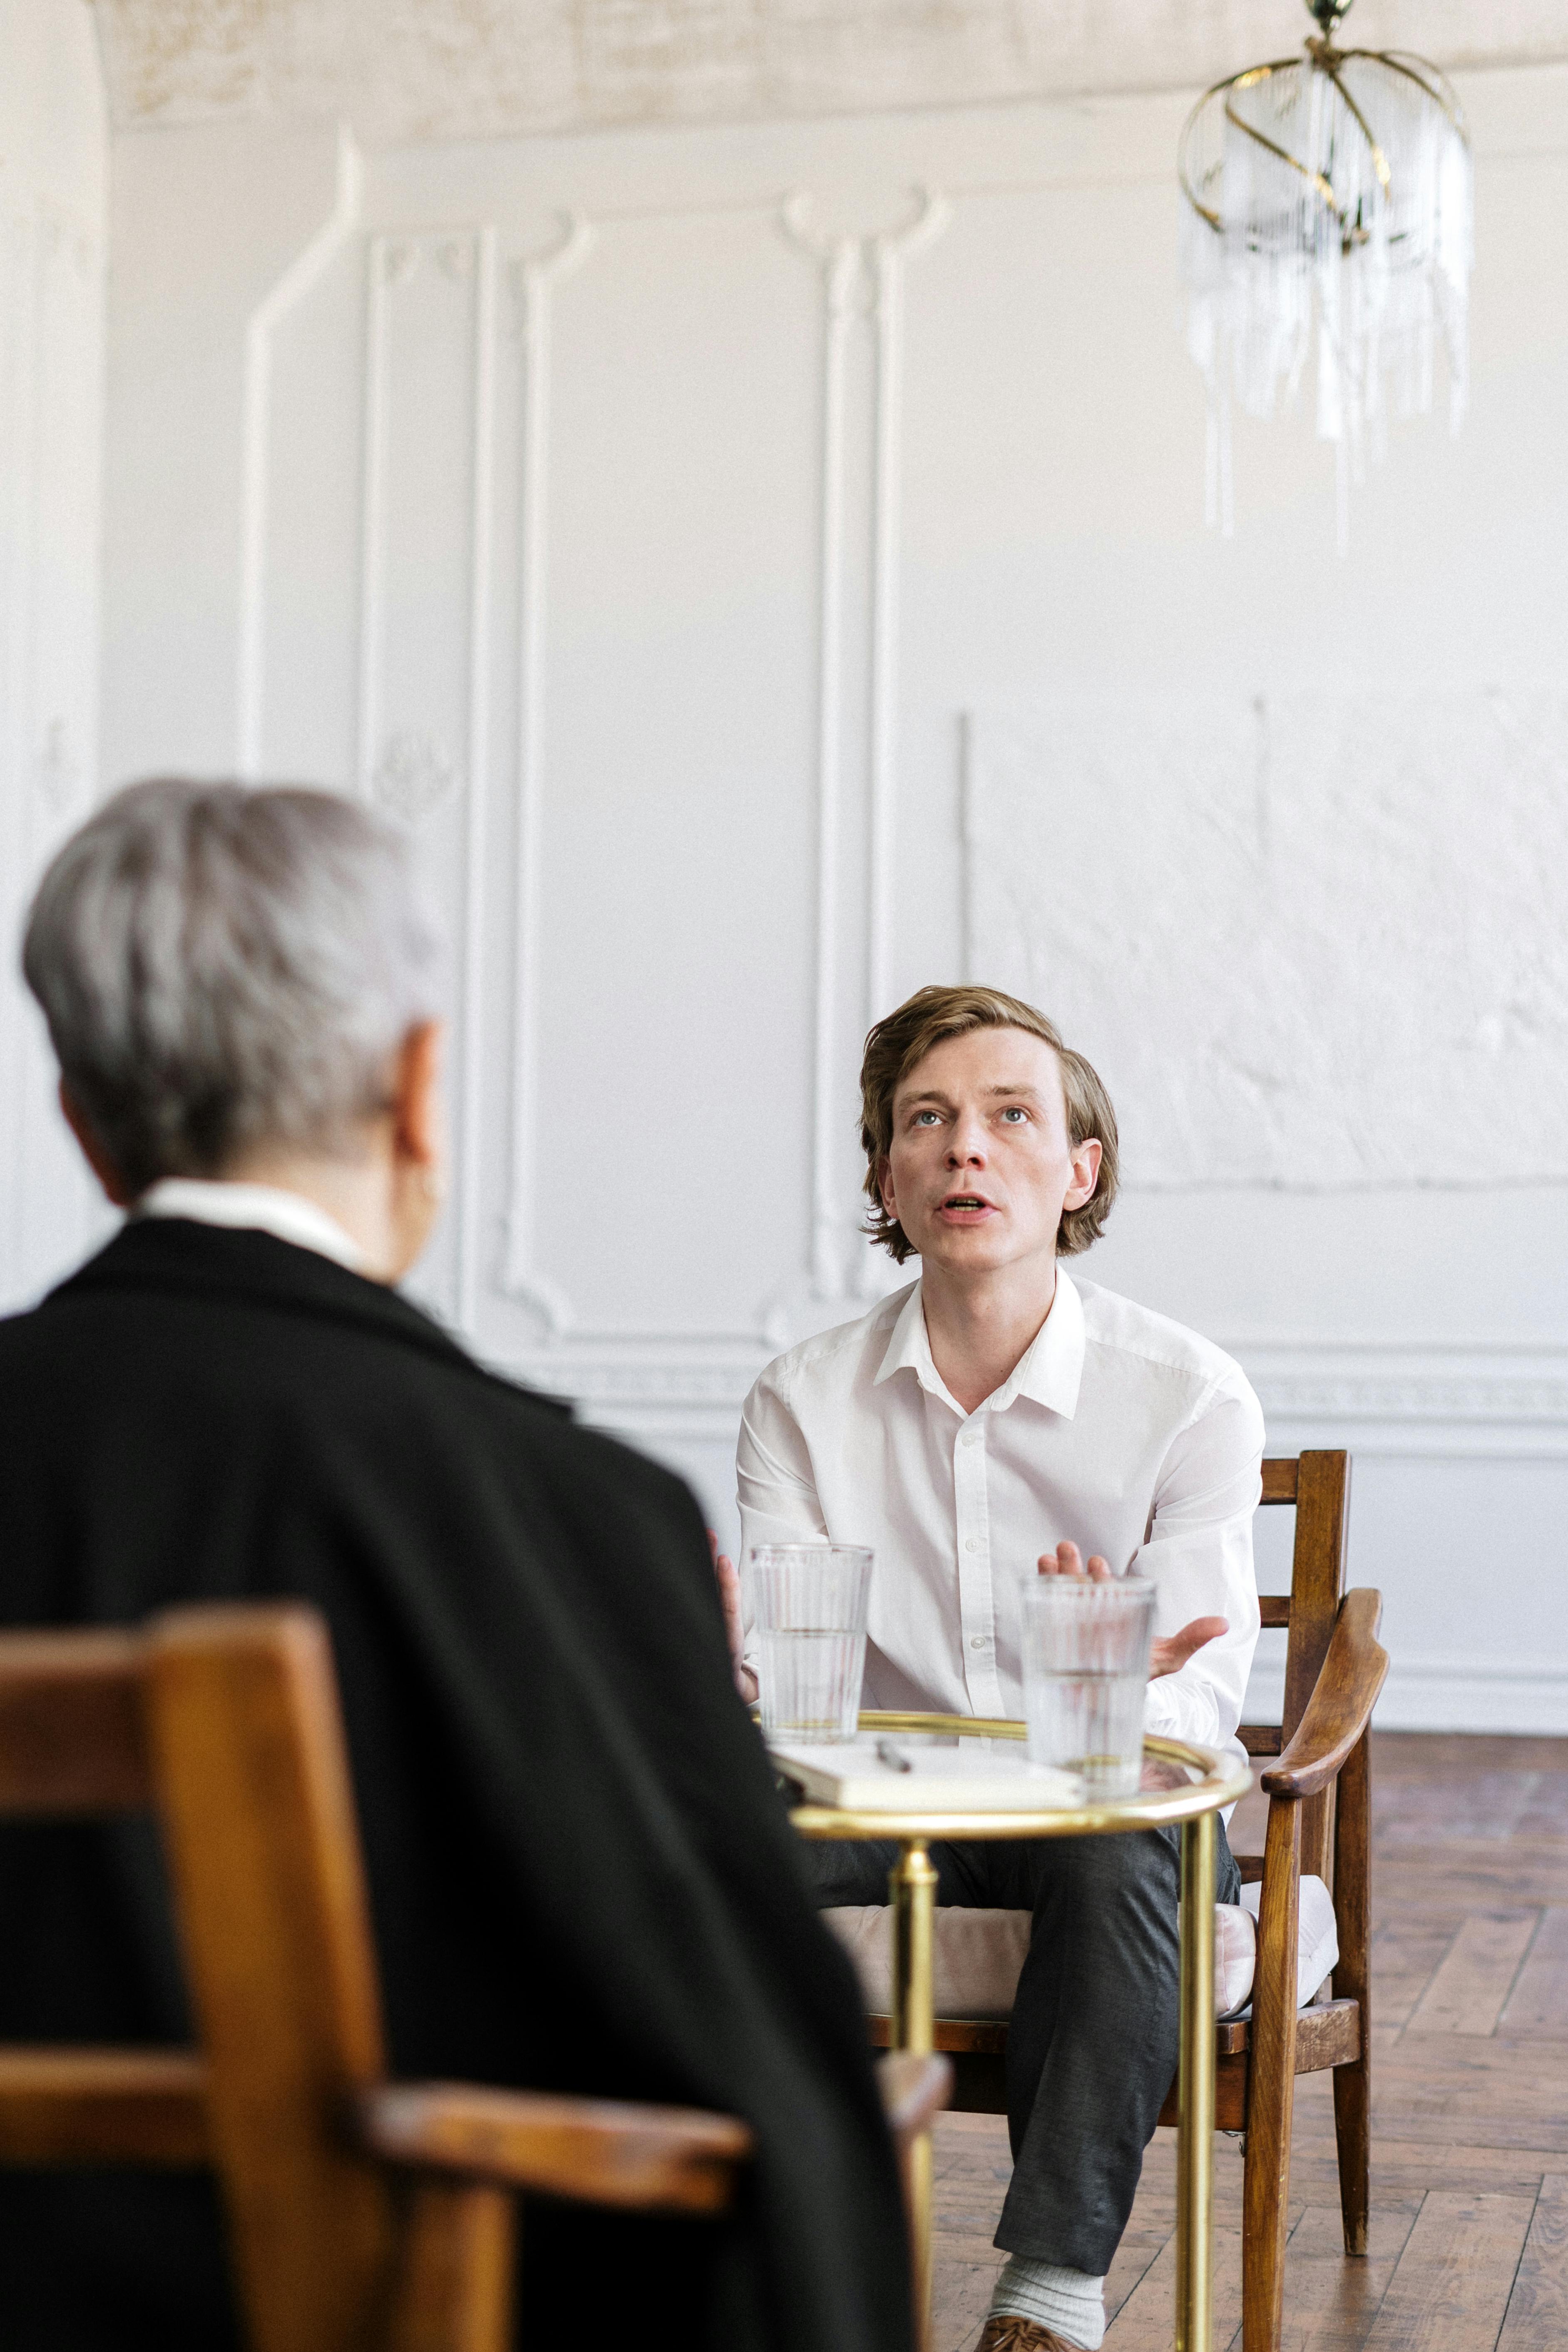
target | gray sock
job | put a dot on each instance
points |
(1070, 2302)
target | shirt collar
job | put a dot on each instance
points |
(258, 1208)
(1049, 1372)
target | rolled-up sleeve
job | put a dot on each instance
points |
(1198, 1553)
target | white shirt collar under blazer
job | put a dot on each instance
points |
(254, 1208)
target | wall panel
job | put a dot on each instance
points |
(661, 520)
(53, 155)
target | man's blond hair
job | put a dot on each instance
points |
(930, 1016)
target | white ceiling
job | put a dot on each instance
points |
(412, 70)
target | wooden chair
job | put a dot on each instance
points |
(1318, 1793)
(362, 2213)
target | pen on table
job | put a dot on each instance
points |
(887, 1754)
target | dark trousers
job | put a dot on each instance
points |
(1091, 2050)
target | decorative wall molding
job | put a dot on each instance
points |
(288, 290)
(1503, 1401)
(890, 253)
(840, 262)
(476, 256)
(51, 427)
(862, 283)
(388, 263)
(534, 280)
(862, 277)
(412, 776)
(1502, 1393)
(58, 768)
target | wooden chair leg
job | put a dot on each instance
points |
(454, 2288)
(1352, 2085)
(1352, 2131)
(1271, 2091)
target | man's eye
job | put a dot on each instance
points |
(925, 1118)
(1015, 1112)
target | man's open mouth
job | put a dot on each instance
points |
(965, 1201)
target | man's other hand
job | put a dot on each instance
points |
(728, 1582)
(1166, 1656)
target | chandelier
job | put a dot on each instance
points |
(1328, 199)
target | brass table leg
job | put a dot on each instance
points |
(911, 1884)
(1195, 2093)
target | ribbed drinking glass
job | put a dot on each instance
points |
(809, 1602)
(1086, 1670)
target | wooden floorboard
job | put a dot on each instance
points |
(1539, 2001)
(1537, 2318)
(1470, 2229)
(1452, 2284)
(1471, 1985)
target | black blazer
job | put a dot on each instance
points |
(581, 1874)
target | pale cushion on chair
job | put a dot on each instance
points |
(979, 1954)
(1317, 1939)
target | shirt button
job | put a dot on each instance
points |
(977, 1641)
(971, 1543)
(970, 1437)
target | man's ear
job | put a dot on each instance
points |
(1086, 1158)
(885, 1189)
(417, 1095)
(114, 1185)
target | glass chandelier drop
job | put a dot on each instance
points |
(1328, 194)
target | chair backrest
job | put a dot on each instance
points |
(225, 1722)
(1318, 1485)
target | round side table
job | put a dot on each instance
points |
(1202, 1784)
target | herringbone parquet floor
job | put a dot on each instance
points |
(1470, 2237)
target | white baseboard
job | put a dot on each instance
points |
(1450, 1694)
(1440, 1694)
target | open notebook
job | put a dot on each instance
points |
(973, 1775)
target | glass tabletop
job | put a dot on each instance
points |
(1178, 1782)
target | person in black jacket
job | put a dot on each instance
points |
(581, 1874)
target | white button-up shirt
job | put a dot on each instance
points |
(1118, 1431)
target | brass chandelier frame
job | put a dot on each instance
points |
(1323, 58)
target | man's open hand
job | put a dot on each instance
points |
(1167, 1656)
(728, 1582)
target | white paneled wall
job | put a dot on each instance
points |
(657, 520)
(53, 187)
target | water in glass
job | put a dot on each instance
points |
(811, 1683)
(1086, 1669)
(1091, 1725)
(809, 1602)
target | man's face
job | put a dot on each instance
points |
(981, 1165)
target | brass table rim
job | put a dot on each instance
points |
(1223, 1781)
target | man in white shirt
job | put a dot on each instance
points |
(995, 1416)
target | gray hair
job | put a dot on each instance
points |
(222, 968)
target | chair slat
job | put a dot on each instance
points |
(105, 2106)
(71, 1735)
(1259, 1739)
(1274, 1608)
(1279, 1480)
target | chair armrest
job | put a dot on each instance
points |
(1340, 1706)
(913, 2090)
(597, 2151)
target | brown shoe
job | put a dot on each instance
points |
(1005, 2333)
